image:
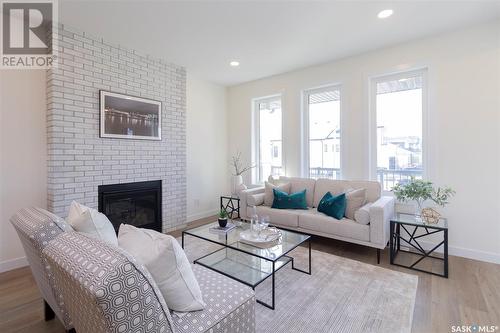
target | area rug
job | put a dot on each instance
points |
(341, 295)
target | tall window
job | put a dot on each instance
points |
(322, 133)
(399, 106)
(268, 154)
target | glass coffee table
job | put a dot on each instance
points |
(245, 263)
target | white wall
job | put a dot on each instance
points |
(207, 160)
(464, 124)
(23, 152)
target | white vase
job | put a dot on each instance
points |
(238, 185)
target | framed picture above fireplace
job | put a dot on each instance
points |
(129, 117)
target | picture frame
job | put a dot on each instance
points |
(129, 117)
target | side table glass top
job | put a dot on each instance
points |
(289, 240)
(418, 221)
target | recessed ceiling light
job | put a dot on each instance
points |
(385, 13)
(234, 63)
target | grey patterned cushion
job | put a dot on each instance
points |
(230, 306)
(104, 288)
(36, 227)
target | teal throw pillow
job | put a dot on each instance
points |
(283, 200)
(333, 206)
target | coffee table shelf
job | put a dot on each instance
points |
(245, 263)
(249, 270)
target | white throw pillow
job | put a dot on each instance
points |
(268, 192)
(91, 223)
(362, 215)
(355, 199)
(166, 261)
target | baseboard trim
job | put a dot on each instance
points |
(11, 264)
(201, 215)
(465, 253)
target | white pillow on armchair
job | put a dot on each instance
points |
(166, 261)
(91, 223)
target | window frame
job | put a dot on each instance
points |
(372, 145)
(256, 135)
(304, 156)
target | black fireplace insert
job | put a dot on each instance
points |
(138, 204)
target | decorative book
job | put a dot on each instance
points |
(218, 230)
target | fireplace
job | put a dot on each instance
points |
(138, 204)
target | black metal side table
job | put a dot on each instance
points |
(231, 205)
(408, 230)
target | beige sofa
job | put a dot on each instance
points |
(310, 221)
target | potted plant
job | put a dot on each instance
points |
(238, 170)
(420, 191)
(223, 218)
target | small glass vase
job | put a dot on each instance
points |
(254, 219)
(418, 211)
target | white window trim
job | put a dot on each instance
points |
(372, 83)
(256, 136)
(304, 156)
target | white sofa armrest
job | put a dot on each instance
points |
(256, 199)
(244, 199)
(381, 212)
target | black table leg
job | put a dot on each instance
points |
(391, 242)
(48, 312)
(182, 242)
(310, 264)
(445, 253)
(272, 291)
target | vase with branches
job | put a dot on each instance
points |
(238, 169)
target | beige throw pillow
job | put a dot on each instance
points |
(269, 195)
(166, 261)
(355, 200)
(92, 223)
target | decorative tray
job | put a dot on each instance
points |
(268, 237)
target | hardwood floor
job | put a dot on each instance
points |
(470, 296)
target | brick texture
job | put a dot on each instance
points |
(78, 159)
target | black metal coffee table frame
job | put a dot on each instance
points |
(274, 269)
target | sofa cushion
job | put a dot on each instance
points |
(284, 200)
(355, 199)
(269, 194)
(373, 188)
(230, 306)
(319, 222)
(283, 217)
(166, 261)
(333, 206)
(323, 186)
(299, 184)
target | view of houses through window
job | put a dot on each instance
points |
(399, 104)
(323, 112)
(268, 155)
(398, 109)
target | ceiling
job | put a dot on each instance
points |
(266, 37)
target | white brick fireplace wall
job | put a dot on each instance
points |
(78, 160)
